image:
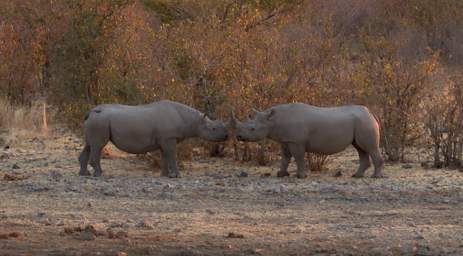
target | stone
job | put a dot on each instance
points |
(122, 234)
(85, 235)
(234, 235)
(265, 175)
(243, 174)
(407, 166)
(146, 224)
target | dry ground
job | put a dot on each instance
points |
(213, 211)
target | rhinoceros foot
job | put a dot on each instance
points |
(84, 173)
(281, 174)
(301, 175)
(357, 176)
(173, 175)
(378, 176)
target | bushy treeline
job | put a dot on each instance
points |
(401, 58)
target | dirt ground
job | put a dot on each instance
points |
(214, 209)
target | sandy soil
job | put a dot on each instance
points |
(46, 209)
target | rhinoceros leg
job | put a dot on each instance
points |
(378, 163)
(170, 154)
(298, 152)
(285, 159)
(83, 159)
(95, 157)
(364, 162)
(164, 164)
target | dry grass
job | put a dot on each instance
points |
(317, 162)
(212, 210)
(21, 121)
(21, 117)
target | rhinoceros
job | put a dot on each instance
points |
(145, 128)
(301, 128)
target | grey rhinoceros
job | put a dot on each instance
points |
(145, 128)
(301, 128)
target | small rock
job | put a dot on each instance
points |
(13, 234)
(209, 211)
(119, 225)
(45, 222)
(425, 165)
(110, 233)
(121, 254)
(419, 236)
(185, 252)
(96, 228)
(338, 174)
(11, 177)
(109, 193)
(146, 224)
(243, 174)
(72, 230)
(407, 166)
(55, 175)
(220, 183)
(168, 186)
(85, 236)
(234, 235)
(9, 235)
(122, 234)
(265, 175)
(16, 166)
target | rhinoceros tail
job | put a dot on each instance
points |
(377, 119)
(381, 137)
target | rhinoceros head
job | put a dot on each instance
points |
(253, 129)
(212, 130)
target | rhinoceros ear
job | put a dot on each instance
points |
(255, 114)
(204, 118)
(270, 114)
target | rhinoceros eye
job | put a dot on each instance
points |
(213, 128)
(253, 129)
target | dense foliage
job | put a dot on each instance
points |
(401, 58)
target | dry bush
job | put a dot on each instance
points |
(445, 124)
(21, 117)
(185, 152)
(250, 53)
(20, 122)
(317, 162)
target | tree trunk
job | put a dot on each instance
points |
(261, 157)
(205, 103)
(45, 120)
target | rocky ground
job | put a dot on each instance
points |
(220, 207)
